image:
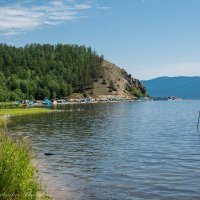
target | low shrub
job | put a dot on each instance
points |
(18, 176)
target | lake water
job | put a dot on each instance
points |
(136, 150)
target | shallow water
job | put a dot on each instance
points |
(136, 150)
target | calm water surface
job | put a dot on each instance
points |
(137, 150)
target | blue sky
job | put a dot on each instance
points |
(149, 38)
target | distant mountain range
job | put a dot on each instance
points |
(181, 86)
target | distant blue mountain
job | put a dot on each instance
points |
(181, 86)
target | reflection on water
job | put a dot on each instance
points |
(144, 150)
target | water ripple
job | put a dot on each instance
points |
(145, 150)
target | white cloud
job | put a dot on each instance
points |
(16, 18)
(145, 1)
(82, 6)
(105, 8)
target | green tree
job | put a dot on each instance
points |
(39, 71)
(136, 92)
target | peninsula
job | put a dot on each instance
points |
(38, 71)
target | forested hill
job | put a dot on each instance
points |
(55, 71)
(46, 71)
(181, 86)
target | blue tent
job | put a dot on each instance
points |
(47, 101)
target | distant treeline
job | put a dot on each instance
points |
(46, 71)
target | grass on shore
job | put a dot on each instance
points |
(18, 177)
(8, 112)
(10, 105)
(23, 111)
(2, 121)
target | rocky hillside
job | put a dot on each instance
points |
(113, 82)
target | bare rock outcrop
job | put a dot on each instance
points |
(114, 82)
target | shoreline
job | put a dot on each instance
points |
(20, 168)
(89, 101)
(39, 104)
